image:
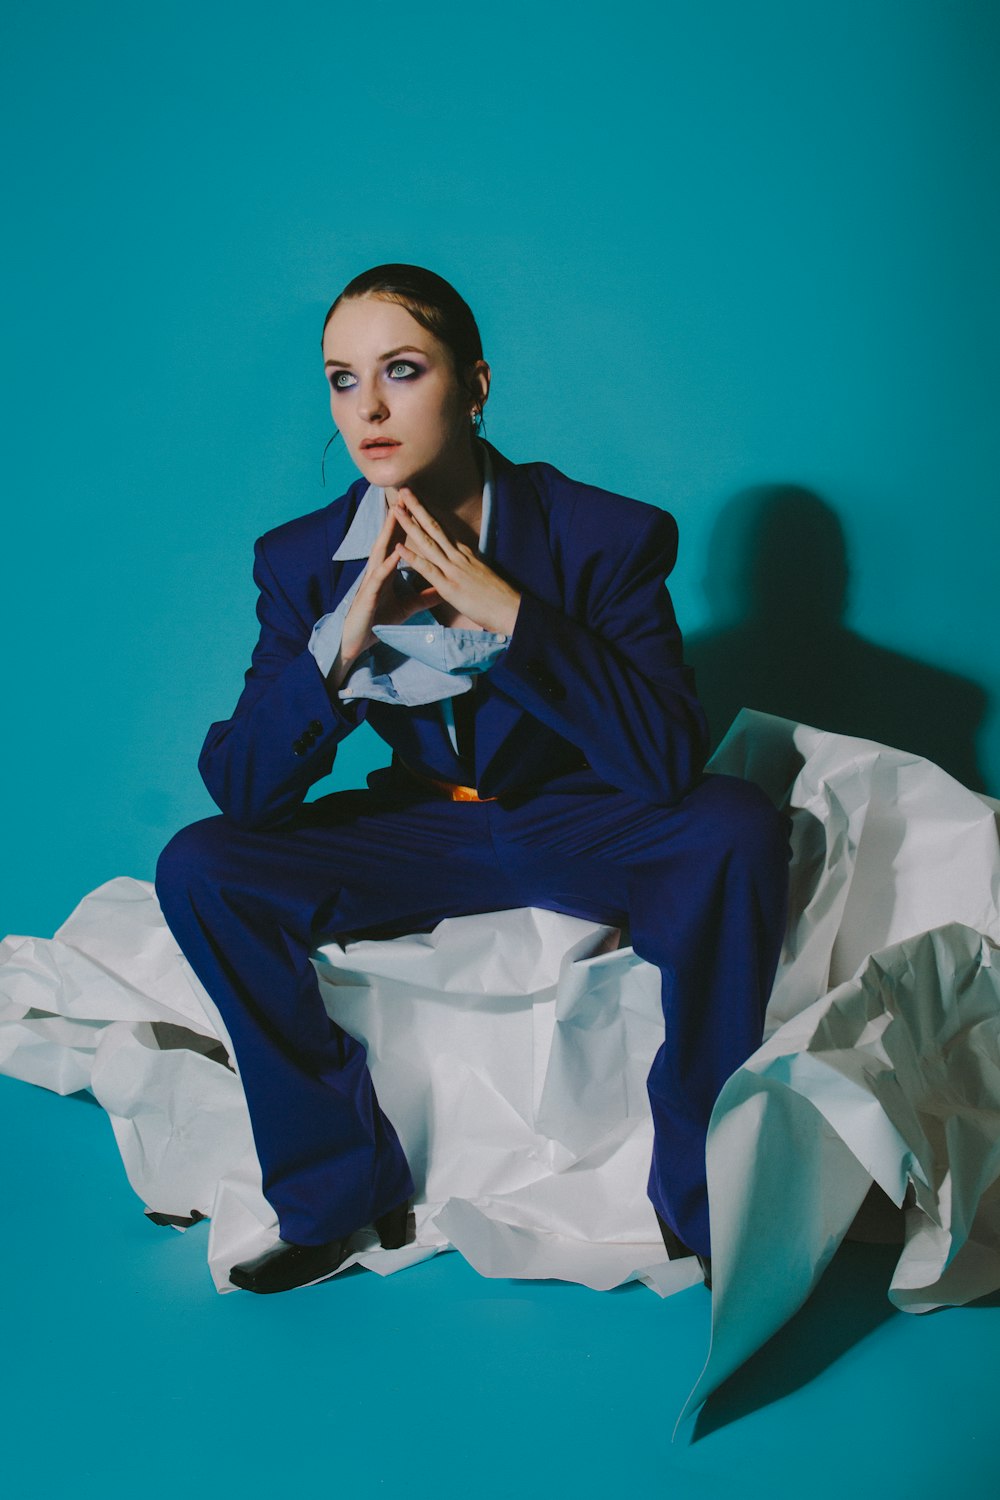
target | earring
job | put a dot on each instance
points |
(476, 418)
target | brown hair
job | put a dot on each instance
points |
(428, 298)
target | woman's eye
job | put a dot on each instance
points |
(342, 380)
(401, 369)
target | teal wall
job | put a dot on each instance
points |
(736, 259)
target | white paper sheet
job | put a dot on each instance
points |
(511, 1052)
(892, 1075)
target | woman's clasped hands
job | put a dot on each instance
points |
(455, 575)
(456, 571)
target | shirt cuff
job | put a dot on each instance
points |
(444, 648)
(324, 643)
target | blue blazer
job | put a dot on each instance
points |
(591, 689)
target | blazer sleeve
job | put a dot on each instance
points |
(608, 674)
(284, 732)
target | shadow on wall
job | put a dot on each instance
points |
(777, 586)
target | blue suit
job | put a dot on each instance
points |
(588, 735)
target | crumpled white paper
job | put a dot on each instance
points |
(511, 1050)
(892, 1075)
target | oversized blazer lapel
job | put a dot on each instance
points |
(522, 553)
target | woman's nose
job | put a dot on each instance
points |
(372, 407)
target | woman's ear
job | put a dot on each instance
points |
(478, 384)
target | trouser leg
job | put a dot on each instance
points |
(713, 921)
(246, 909)
(703, 887)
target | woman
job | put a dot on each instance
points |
(507, 631)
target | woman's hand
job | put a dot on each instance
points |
(377, 601)
(455, 571)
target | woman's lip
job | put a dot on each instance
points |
(372, 447)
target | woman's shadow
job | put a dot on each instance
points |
(777, 586)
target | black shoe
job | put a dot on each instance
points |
(677, 1250)
(285, 1266)
(393, 1228)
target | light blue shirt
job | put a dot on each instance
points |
(421, 661)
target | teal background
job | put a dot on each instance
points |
(711, 248)
(735, 259)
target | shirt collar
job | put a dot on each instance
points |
(368, 518)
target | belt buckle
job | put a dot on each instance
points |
(464, 793)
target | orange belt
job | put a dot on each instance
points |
(458, 793)
(450, 788)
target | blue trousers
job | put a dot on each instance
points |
(702, 887)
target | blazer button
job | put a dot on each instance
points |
(299, 747)
(315, 728)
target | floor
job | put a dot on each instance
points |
(125, 1373)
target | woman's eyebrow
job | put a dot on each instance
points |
(403, 349)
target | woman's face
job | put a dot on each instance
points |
(394, 394)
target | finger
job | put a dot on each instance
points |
(385, 531)
(410, 505)
(430, 524)
(393, 560)
(427, 566)
(384, 537)
(420, 540)
(378, 572)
